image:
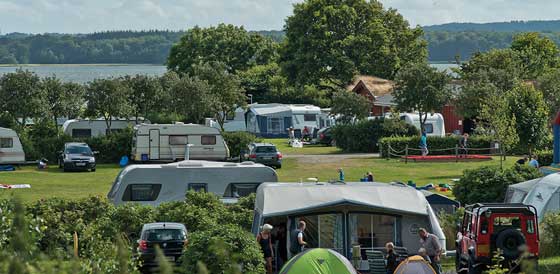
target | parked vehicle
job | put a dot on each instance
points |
(11, 151)
(487, 228)
(173, 142)
(77, 156)
(86, 128)
(325, 137)
(171, 239)
(266, 154)
(434, 126)
(154, 184)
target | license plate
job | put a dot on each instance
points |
(80, 164)
(268, 158)
(170, 258)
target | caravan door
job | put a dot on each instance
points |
(154, 144)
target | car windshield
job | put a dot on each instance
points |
(165, 235)
(266, 150)
(83, 150)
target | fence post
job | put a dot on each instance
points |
(406, 154)
(389, 151)
(456, 153)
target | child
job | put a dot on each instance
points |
(391, 258)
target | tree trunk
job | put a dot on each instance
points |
(108, 123)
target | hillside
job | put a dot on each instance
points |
(513, 26)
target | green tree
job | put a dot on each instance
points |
(549, 84)
(262, 82)
(423, 89)
(107, 98)
(63, 99)
(330, 41)
(350, 106)
(528, 107)
(538, 53)
(191, 99)
(226, 91)
(21, 96)
(234, 46)
(498, 118)
(146, 94)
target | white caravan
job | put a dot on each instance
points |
(435, 125)
(11, 151)
(172, 142)
(157, 183)
(85, 128)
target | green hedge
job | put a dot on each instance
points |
(238, 141)
(546, 157)
(434, 144)
(364, 136)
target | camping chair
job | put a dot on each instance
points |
(376, 261)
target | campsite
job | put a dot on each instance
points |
(334, 145)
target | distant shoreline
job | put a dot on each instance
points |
(77, 65)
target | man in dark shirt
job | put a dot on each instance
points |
(296, 241)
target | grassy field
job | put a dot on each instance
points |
(282, 145)
(549, 265)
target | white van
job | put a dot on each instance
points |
(435, 125)
(11, 151)
(86, 128)
(172, 142)
(154, 184)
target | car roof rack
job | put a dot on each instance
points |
(498, 207)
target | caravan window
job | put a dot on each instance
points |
(309, 117)
(178, 140)
(242, 189)
(325, 231)
(81, 133)
(371, 230)
(275, 125)
(208, 140)
(6, 143)
(429, 128)
(141, 192)
(198, 187)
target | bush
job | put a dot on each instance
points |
(449, 224)
(546, 157)
(238, 141)
(364, 135)
(488, 184)
(434, 144)
(112, 147)
(550, 235)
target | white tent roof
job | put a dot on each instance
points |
(539, 193)
(275, 199)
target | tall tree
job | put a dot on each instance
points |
(107, 98)
(21, 96)
(528, 107)
(549, 84)
(496, 116)
(192, 99)
(234, 46)
(330, 41)
(226, 91)
(350, 106)
(538, 53)
(63, 99)
(421, 88)
(145, 95)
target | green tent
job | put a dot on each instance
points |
(318, 261)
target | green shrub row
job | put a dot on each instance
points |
(546, 157)
(436, 145)
(238, 141)
(364, 135)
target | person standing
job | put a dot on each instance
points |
(340, 174)
(297, 240)
(463, 144)
(265, 241)
(391, 258)
(424, 144)
(430, 243)
(534, 162)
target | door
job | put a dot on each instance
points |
(154, 144)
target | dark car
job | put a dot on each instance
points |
(325, 137)
(266, 154)
(171, 239)
(77, 156)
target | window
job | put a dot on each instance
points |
(81, 150)
(142, 192)
(6, 142)
(178, 140)
(81, 133)
(275, 125)
(198, 187)
(309, 117)
(501, 223)
(159, 235)
(324, 231)
(530, 226)
(429, 128)
(371, 230)
(242, 189)
(266, 149)
(208, 140)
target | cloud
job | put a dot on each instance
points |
(80, 16)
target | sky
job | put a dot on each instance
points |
(84, 16)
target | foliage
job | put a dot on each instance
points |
(63, 99)
(546, 157)
(422, 89)
(107, 98)
(497, 115)
(449, 223)
(238, 141)
(538, 53)
(489, 184)
(364, 135)
(111, 147)
(42, 140)
(329, 41)
(549, 84)
(436, 145)
(234, 46)
(145, 95)
(350, 106)
(22, 96)
(550, 235)
(190, 97)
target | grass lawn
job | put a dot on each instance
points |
(282, 145)
(549, 265)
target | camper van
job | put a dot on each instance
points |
(86, 128)
(172, 142)
(11, 151)
(154, 184)
(435, 125)
(340, 216)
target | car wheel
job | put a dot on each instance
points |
(333, 143)
(279, 166)
(93, 170)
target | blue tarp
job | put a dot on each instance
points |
(7, 168)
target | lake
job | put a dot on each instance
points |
(87, 73)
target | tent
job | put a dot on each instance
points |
(414, 265)
(318, 261)
(542, 193)
(440, 202)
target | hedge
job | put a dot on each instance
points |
(546, 157)
(364, 136)
(398, 144)
(238, 141)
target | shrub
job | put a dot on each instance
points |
(238, 141)
(546, 157)
(364, 135)
(550, 235)
(489, 184)
(449, 224)
(112, 147)
(436, 145)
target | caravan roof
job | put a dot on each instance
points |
(7, 132)
(264, 109)
(275, 199)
